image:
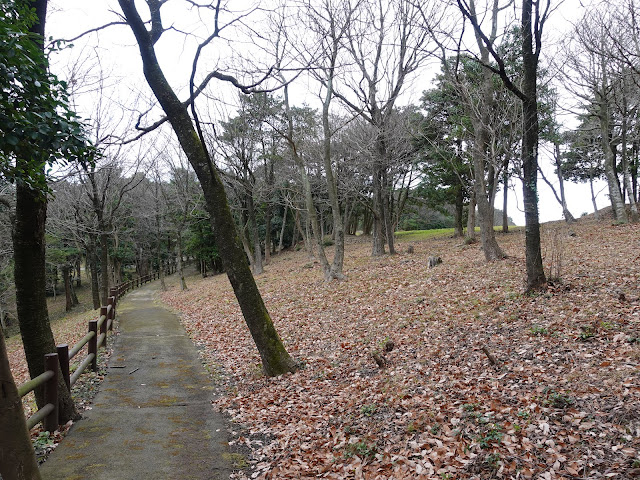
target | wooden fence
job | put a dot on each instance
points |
(95, 338)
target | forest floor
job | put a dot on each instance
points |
(561, 402)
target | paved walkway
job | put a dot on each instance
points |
(152, 418)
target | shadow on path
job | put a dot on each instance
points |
(152, 418)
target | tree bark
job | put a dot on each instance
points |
(17, 458)
(604, 116)
(480, 121)
(79, 270)
(275, 359)
(471, 216)
(593, 196)
(626, 176)
(92, 260)
(378, 234)
(490, 246)
(505, 194)
(67, 287)
(337, 264)
(533, 252)
(30, 275)
(183, 283)
(284, 225)
(458, 228)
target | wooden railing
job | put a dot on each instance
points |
(95, 338)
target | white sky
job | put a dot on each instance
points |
(119, 58)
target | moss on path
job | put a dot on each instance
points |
(153, 416)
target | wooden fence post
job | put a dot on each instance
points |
(112, 314)
(51, 392)
(103, 327)
(63, 358)
(93, 344)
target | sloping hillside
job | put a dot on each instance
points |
(561, 401)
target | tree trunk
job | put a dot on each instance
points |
(617, 202)
(533, 253)
(74, 297)
(31, 302)
(593, 196)
(18, 460)
(312, 214)
(313, 219)
(203, 268)
(626, 176)
(458, 228)
(183, 283)
(247, 248)
(505, 193)
(267, 233)
(490, 246)
(563, 199)
(66, 275)
(275, 359)
(387, 195)
(284, 224)
(633, 168)
(92, 260)
(30, 275)
(471, 216)
(104, 263)
(268, 211)
(78, 272)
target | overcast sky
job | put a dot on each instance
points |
(119, 59)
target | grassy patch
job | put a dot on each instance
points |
(419, 235)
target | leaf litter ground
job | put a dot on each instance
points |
(562, 401)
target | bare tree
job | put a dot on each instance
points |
(386, 44)
(589, 69)
(275, 359)
(533, 18)
(182, 198)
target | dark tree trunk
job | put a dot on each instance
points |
(604, 115)
(66, 276)
(30, 280)
(275, 359)
(633, 168)
(78, 272)
(92, 260)
(30, 276)
(74, 297)
(505, 194)
(183, 283)
(533, 252)
(282, 230)
(268, 212)
(18, 460)
(332, 187)
(459, 229)
(104, 261)
(490, 246)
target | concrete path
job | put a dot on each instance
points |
(156, 422)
